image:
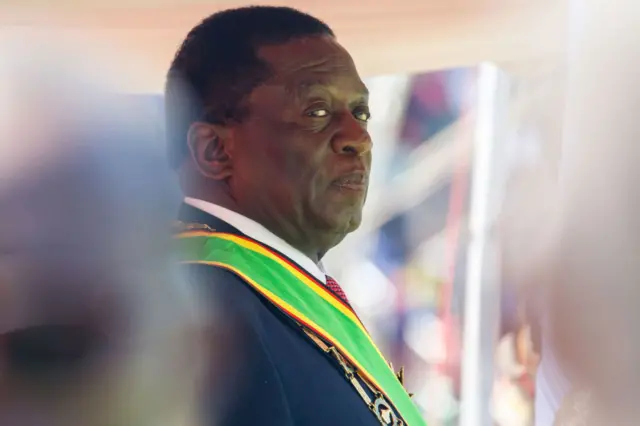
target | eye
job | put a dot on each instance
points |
(318, 113)
(362, 114)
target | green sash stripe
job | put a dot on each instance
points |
(271, 275)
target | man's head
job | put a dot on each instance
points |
(267, 115)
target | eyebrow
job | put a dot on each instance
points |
(301, 88)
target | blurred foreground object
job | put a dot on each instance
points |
(513, 392)
(595, 299)
(96, 327)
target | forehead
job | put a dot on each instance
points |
(312, 61)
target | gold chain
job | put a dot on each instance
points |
(379, 406)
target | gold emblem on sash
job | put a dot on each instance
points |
(180, 227)
(380, 406)
(400, 376)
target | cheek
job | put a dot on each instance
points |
(302, 168)
(287, 157)
(282, 157)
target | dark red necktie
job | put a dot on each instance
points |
(336, 289)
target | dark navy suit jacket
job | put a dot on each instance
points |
(266, 371)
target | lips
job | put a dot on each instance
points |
(356, 181)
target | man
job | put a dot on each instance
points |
(96, 328)
(267, 122)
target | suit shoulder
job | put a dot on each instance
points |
(258, 395)
(228, 293)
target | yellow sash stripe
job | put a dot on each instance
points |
(320, 290)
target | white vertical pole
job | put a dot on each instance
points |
(474, 401)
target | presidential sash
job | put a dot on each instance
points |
(306, 301)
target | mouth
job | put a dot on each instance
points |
(356, 181)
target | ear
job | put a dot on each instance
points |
(211, 147)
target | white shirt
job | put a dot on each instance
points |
(258, 232)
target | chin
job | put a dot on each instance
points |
(346, 225)
(337, 220)
(355, 223)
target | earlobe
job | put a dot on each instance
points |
(209, 151)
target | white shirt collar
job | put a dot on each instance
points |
(258, 232)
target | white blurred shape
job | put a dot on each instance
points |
(436, 398)
(368, 288)
(48, 81)
(425, 336)
(479, 221)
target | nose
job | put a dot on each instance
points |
(352, 137)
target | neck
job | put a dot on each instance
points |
(282, 228)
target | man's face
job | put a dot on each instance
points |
(303, 154)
